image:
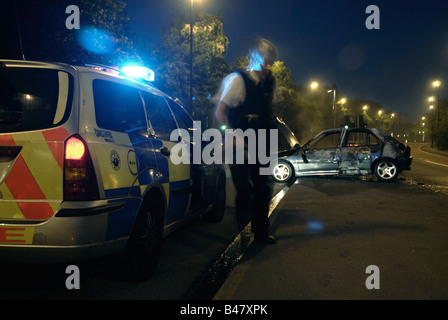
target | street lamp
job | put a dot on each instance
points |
(314, 85)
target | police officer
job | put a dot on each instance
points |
(244, 101)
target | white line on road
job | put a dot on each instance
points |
(440, 164)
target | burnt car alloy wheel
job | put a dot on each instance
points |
(386, 170)
(283, 171)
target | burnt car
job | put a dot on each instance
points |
(341, 151)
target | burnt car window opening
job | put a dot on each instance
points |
(360, 138)
(325, 141)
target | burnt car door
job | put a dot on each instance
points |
(359, 147)
(321, 154)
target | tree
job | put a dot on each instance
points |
(45, 36)
(209, 66)
(441, 126)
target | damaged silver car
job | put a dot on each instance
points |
(354, 151)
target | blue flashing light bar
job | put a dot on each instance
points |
(139, 72)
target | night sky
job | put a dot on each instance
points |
(327, 41)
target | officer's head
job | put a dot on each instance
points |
(262, 53)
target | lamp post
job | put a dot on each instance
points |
(364, 110)
(431, 107)
(334, 105)
(191, 56)
(342, 103)
(436, 84)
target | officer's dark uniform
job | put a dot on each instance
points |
(253, 192)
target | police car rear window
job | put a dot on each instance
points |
(119, 107)
(34, 98)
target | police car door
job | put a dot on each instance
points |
(205, 176)
(178, 187)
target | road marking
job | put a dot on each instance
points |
(433, 155)
(430, 153)
(440, 164)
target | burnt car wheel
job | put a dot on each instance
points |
(386, 170)
(282, 171)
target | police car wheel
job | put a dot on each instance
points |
(144, 245)
(216, 214)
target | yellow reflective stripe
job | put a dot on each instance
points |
(42, 165)
(166, 188)
(142, 189)
(178, 172)
(10, 209)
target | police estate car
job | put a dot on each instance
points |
(85, 166)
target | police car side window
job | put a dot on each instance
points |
(159, 115)
(119, 107)
(184, 121)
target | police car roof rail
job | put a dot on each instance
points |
(103, 67)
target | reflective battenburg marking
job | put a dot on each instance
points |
(21, 235)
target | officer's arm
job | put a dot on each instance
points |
(233, 92)
(221, 113)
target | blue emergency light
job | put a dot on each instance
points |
(138, 72)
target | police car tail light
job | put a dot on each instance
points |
(79, 175)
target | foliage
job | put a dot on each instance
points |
(306, 111)
(45, 36)
(174, 61)
(437, 125)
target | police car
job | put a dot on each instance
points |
(85, 166)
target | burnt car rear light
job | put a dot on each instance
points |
(80, 181)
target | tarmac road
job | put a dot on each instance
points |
(331, 232)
